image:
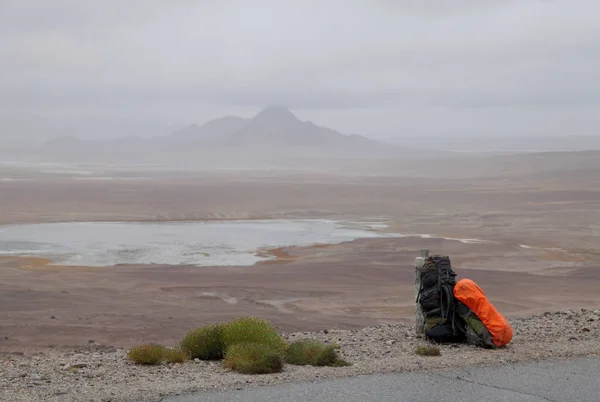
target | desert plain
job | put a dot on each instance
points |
(525, 228)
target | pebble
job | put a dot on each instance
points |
(79, 365)
(107, 375)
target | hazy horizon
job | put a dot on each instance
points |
(380, 69)
(39, 130)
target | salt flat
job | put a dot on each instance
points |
(172, 243)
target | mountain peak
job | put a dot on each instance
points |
(276, 114)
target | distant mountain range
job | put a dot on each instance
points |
(274, 130)
(273, 127)
(29, 130)
(509, 143)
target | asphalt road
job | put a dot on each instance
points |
(569, 381)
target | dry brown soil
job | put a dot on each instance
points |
(355, 284)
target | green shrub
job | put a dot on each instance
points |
(340, 363)
(253, 358)
(252, 330)
(204, 343)
(313, 353)
(428, 350)
(176, 355)
(147, 354)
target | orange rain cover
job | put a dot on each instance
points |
(473, 297)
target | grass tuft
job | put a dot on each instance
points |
(205, 343)
(428, 350)
(252, 330)
(149, 354)
(176, 355)
(313, 353)
(253, 358)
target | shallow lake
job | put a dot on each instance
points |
(171, 243)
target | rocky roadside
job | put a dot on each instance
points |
(104, 374)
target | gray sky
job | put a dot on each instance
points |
(374, 67)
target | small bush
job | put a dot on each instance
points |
(204, 343)
(313, 353)
(340, 363)
(253, 358)
(428, 350)
(252, 330)
(176, 355)
(147, 354)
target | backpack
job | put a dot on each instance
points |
(436, 318)
(480, 316)
(475, 332)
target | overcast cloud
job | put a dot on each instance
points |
(375, 67)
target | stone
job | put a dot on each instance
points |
(73, 367)
(79, 365)
(390, 342)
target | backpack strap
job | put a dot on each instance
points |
(446, 301)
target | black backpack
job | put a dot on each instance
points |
(435, 301)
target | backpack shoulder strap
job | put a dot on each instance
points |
(446, 300)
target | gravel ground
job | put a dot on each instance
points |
(100, 373)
